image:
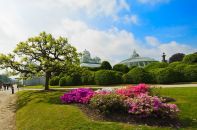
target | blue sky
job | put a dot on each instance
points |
(110, 29)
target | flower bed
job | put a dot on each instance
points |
(134, 100)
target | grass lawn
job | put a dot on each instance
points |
(40, 110)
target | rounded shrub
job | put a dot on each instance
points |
(107, 77)
(139, 75)
(87, 78)
(190, 59)
(127, 78)
(54, 81)
(121, 68)
(156, 65)
(190, 73)
(179, 68)
(174, 64)
(67, 80)
(105, 65)
(165, 75)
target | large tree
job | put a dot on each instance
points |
(176, 57)
(41, 55)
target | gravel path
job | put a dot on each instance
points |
(7, 110)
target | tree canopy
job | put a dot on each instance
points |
(106, 65)
(41, 55)
(176, 57)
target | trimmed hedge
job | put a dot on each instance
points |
(190, 59)
(138, 75)
(165, 75)
(70, 80)
(107, 77)
(190, 73)
(127, 79)
(87, 78)
(121, 68)
(54, 81)
(155, 65)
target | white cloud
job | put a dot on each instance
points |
(20, 21)
(133, 19)
(115, 45)
(153, 2)
(152, 40)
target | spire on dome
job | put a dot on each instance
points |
(135, 54)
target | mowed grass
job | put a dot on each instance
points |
(41, 110)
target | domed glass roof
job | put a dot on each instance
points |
(136, 60)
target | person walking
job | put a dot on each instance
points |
(4, 86)
(12, 88)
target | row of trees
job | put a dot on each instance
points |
(157, 72)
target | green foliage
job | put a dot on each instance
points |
(190, 59)
(174, 64)
(165, 75)
(70, 80)
(105, 65)
(87, 77)
(54, 81)
(41, 55)
(63, 81)
(107, 77)
(176, 57)
(121, 67)
(139, 75)
(190, 73)
(155, 65)
(107, 103)
(127, 78)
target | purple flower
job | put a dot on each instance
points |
(80, 95)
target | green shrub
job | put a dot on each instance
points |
(54, 81)
(87, 78)
(107, 77)
(165, 75)
(155, 65)
(62, 81)
(120, 67)
(174, 64)
(105, 65)
(179, 68)
(190, 59)
(118, 77)
(190, 73)
(107, 103)
(70, 80)
(127, 79)
(139, 75)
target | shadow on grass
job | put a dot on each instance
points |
(42, 96)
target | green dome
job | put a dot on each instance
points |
(136, 60)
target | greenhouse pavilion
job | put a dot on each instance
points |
(137, 60)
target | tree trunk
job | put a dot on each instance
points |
(47, 77)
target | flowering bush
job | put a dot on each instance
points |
(133, 99)
(104, 91)
(80, 95)
(145, 105)
(107, 103)
(132, 91)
